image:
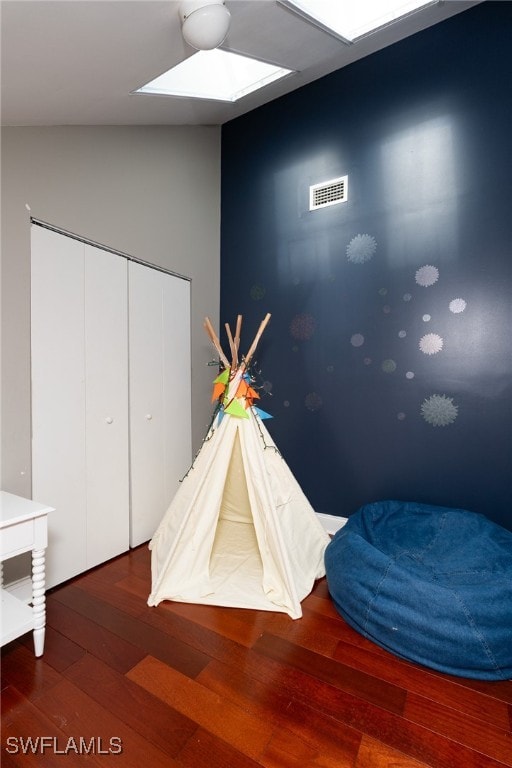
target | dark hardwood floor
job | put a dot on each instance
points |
(122, 684)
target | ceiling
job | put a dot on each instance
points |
(75, 62)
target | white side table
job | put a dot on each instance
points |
(23, 528)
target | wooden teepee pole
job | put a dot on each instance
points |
(215, 341)
(234, 357)
(237, 335)
(253, 346)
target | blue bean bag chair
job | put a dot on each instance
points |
(430, 584)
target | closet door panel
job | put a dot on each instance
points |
(159, 323)
(106, 355)
(58, 392)
(177, 383)
(146, 402)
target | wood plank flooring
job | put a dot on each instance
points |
(122, 684)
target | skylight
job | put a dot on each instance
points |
(351, 19)
(216, 75)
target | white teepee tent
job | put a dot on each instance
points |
(240, 531)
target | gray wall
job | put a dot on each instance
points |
(153, 193)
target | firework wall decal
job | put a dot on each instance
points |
(431, 344)
(439, 410)
(313, 401)
(457, 306)
(357, 340)
(427, 275)
(302, 327)
(361, 248)
(257, 292)
(388, 366)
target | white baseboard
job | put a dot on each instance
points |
(331, 523)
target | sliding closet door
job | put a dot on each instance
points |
(160, 415)
(58, 398)
(79, 401)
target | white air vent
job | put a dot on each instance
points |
(328, 193)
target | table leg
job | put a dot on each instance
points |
(38, 599)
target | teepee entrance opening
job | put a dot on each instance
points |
(235, 556)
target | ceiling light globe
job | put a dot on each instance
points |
(205, 23)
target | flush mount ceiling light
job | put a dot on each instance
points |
(205, 23)
(216, 75)
(351, 19)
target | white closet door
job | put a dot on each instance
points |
(106, 421)
(177, 384)
(58, 396)
(79, 401)
(160, 418)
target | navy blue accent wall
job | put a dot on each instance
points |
(387, 364)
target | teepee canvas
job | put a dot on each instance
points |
(240, 531)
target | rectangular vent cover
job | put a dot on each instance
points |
(328, 193)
